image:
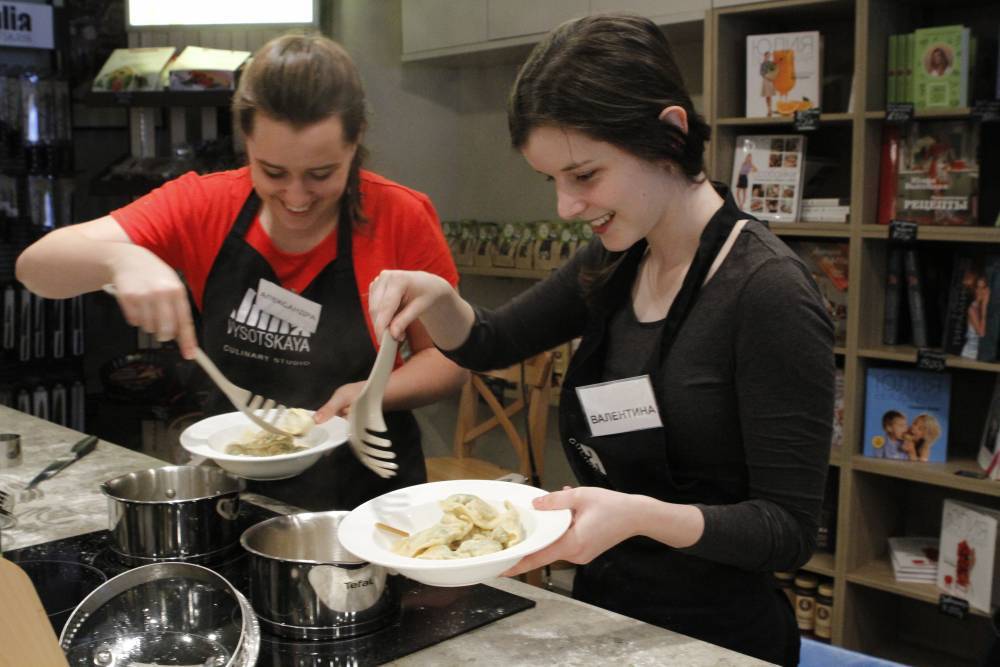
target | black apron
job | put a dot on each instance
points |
(269, 357)
(641, 577)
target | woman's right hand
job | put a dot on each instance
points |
(152, 297)
(397, 298)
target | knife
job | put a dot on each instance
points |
(80, 449)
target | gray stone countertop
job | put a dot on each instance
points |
(557, 631)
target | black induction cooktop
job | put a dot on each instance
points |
(65, 570)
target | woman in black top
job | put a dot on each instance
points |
(697, 410)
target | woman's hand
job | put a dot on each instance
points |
(601, 519)
(397, 298)
(152, 297)
(340, 403)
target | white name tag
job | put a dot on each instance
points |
(620, 406)
(286, 305)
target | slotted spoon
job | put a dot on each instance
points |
(243, 400)
(366, 420)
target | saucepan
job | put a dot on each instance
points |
(305, 585)
(186, 513)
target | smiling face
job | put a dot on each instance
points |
(300, 174)
(621, 196)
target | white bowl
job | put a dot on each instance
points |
(416, 507)
(208, 438)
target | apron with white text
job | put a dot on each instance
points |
(270, 357)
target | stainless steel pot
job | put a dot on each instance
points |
(304, 585)
(163, 613)
(185, 513)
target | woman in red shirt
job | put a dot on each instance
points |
(302, 224)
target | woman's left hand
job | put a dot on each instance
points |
(340, 403)
(601, 519)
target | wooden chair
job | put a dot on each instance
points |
(538, 386)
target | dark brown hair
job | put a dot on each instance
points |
(301, 80)
(609, 76)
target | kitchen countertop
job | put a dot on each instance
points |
(558, 630)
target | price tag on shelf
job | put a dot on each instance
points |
(901, 231)
(899, 112)
(986, 111)
(953, 606)
(931, 360)
(807, 120)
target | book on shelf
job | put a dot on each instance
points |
(915, 297)
(783, 73)
(989, 451)
(827, 262)
(940, 62)
(838, 408)
(967, 566)
(767, 175)
(929, 173)
(914, 559)
(972, 320)
(906, 414)
(893, 296)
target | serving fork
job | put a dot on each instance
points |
(366, 420)
(262, 411)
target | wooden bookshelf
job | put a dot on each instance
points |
(877, 498)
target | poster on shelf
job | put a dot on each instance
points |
(783, 73)
(767, 175)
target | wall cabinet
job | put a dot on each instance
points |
(444, 28)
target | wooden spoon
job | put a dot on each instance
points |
(389, 529)
(26, 634)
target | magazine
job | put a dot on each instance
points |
(968, 553)
(914, 558)
(936, 174)
(767, 175)
(783, 73)
(906, 414)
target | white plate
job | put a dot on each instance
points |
(416, 507)
(208, 438)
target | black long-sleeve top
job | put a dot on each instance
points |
(746, 391)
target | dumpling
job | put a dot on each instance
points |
(508, 530)
(479, 545)
(297, 422)
(449, 529)
(470, 507)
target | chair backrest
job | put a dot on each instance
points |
(537, 378)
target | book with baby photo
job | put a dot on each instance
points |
(767, 175)
(906, 414)
(783, 73)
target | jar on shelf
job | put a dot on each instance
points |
(786, 582)
(824, 611)
(805, 602)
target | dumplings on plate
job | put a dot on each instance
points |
(264, 443)
(469, 527)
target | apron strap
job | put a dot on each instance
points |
(724, 250)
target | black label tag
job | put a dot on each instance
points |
(899, 112)
(931, 360)
(807, 120)
(953, 606)
(901, 231)
(986, 111)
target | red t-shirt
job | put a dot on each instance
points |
(185, 221)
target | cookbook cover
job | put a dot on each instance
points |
(783, 73)
(937, 173)
(198, 68)
(941, 67)
(767, 175)
(906, 414)
(967, 564)
(133, 69)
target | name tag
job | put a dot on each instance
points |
(620, 406)
(286, 305)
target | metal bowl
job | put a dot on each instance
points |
(163, 614)
(187, 513)
(304, 585)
